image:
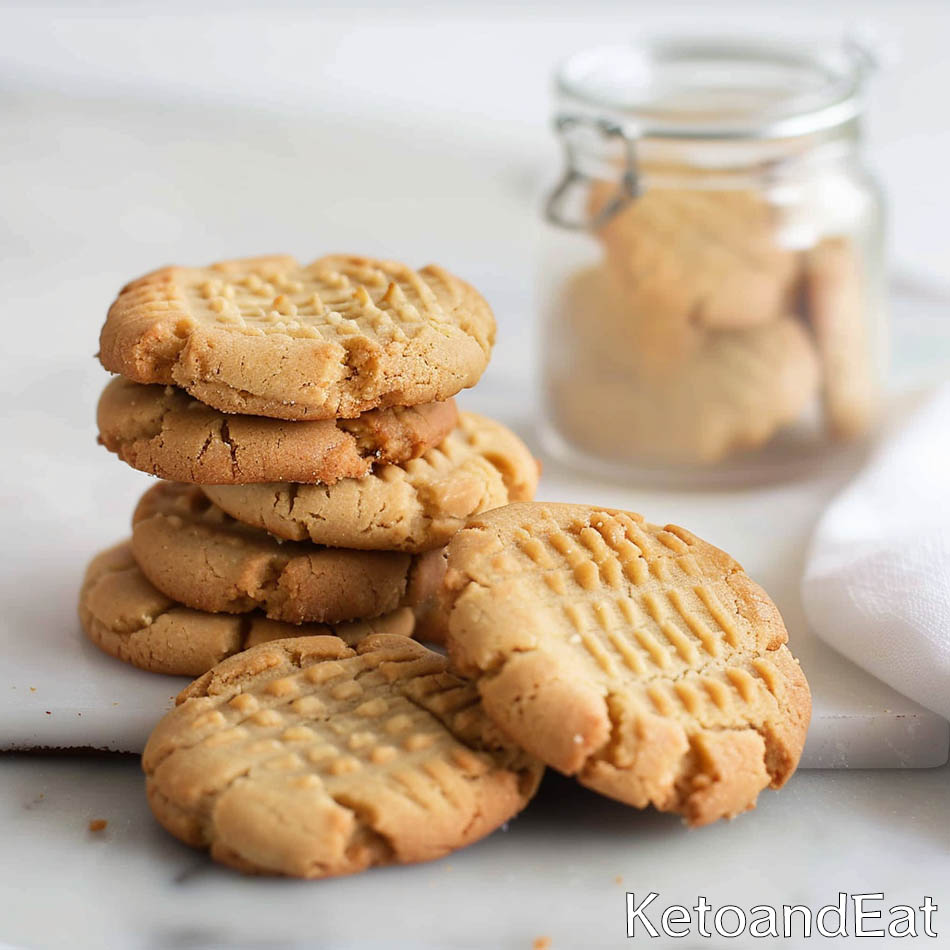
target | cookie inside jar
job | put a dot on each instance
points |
(711, 277)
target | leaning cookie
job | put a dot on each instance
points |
(201, 557)
(126, 617)
(307, 758)
(836, 309)
(415, 507)
(639, 659)
(165, 432)
(331, 339)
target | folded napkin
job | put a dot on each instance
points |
(877, 575)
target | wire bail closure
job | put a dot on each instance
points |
(557, 208)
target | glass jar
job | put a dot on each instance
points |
(711, 275)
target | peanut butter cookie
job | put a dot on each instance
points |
(835, 304)
(416, 506)
(128, 618)
(201, 557)
(693, 258)
(332, 339)
(639, 659)
(307, 758)
(164, 431)
(617, 388)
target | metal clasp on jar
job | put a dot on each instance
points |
(568, 205)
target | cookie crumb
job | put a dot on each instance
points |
(98, 824)
(32, 689)
(541, 943)
(618, 879)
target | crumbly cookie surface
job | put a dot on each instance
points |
(307, 758)
(128, 618)
(196, 554)
(165, 432)
(416, 506)
(640, 659)
(330, 339)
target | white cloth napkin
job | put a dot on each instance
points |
(877, 575)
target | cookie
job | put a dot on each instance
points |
(331, 339)
(698, 258)
(416, 506)
(639, 659)
(732, 392)
(201, 557)
(310, 759)
(835, 304)
(424, 594)
(593, 313)
(165, 432)
(125, 616)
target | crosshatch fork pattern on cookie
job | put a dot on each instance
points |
(648, 610)
(331, 298)
(386, 738)
(638, 658)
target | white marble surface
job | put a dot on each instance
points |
(126, 146)
(552, 873)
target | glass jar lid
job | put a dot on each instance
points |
(716, 88)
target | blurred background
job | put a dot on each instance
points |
(140, 134)
(137, 134)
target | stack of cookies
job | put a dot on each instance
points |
(314, 463)
(698, 336)
(323, 503)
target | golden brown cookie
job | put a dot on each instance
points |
(307, 758)
(164, 431)
(332, 339)
(426, 597)
(698, 258)
(416, 506)
(594, 314)
(836, 307)
(201, 557)
(639, 659)
(124, 615)
(613, 394)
